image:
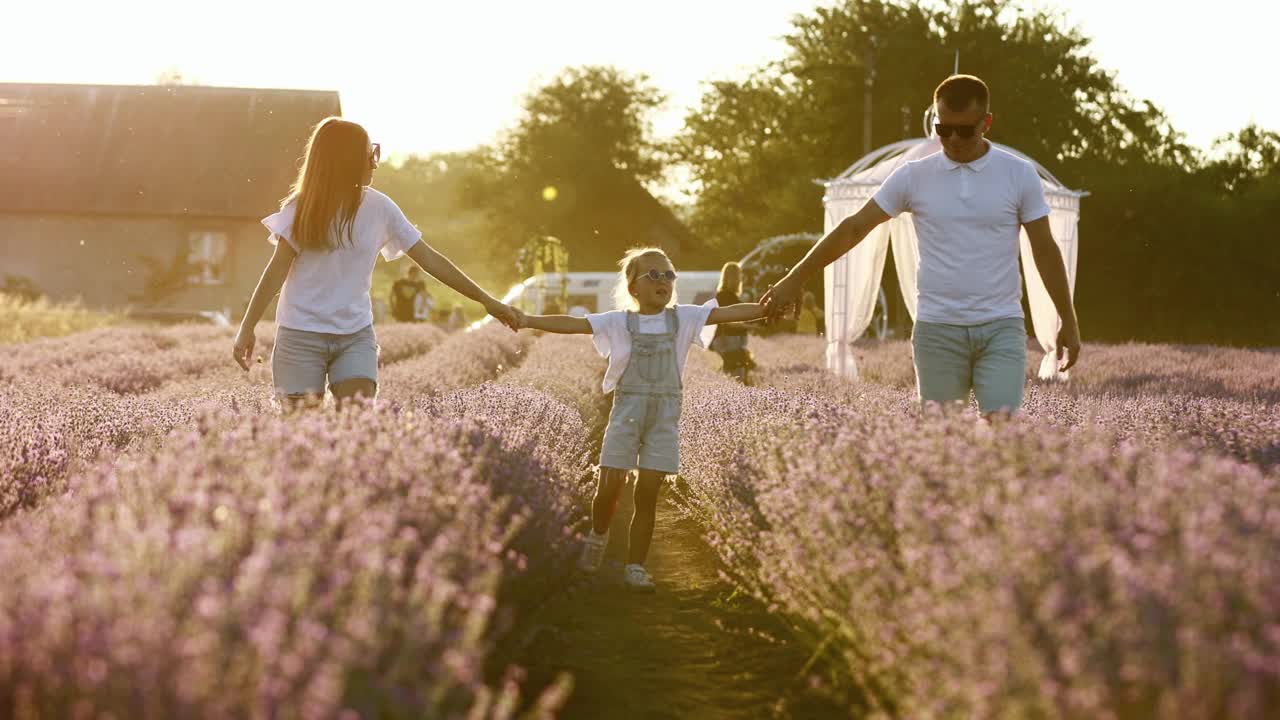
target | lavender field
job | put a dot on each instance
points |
(174, 547)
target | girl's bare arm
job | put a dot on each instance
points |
(742, 312)
(273, 277)
(563, 324)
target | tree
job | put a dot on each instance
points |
(754, 147)
(1249, 155)
(436, 194)
(574, 164)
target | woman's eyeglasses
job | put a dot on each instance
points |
(376, 155)
(660, 275)
(964, 131)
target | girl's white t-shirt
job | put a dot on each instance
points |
(328, 291)
(612, 340)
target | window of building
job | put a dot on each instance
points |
(206, 258)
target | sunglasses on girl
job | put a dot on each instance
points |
(964, 131)
(376, 155)
(660, 275)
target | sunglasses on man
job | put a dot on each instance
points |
(963, 131)
(660, 275)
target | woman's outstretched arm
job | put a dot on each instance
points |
(443, 269)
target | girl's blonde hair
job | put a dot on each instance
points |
(629, 270)
(730, 279)
(329, 185)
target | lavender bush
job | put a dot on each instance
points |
(137, 360)
(1122, 370)
(48, 428)
(320, 566)
(950, 569)
(355, 513)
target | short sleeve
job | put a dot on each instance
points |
(706, 333)
(1031, 203)
(693, 318)
(401, 234)
(281, 225)
(894, 196)
(604, 329)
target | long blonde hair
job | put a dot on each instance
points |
(628, 271)
(730, 279)
(329, 185)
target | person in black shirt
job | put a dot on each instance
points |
(404, 294)
(730, 341)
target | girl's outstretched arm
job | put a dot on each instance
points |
(269, 285)
(442, 269)
(563, 324)
(742, 312)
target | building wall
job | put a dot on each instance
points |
(106, 261)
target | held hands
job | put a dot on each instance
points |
(243, 349)
(781, 298)
(505, 314)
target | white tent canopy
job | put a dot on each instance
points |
(853, 281)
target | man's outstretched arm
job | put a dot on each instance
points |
(844, 237)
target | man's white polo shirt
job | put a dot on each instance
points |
(967, 218)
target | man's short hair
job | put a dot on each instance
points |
(959, 92)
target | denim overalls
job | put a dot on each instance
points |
(643, 429)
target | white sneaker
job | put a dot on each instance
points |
(637, 578)
(593, 546)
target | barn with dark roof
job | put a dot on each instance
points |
(146, 196)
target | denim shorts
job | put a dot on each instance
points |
(990, 358)
(643, 433)
(302, 361)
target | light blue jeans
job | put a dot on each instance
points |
(302, 360)
(990, 359)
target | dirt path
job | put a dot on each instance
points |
(688, 651)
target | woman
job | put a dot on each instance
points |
(333, 226)
(730, 341)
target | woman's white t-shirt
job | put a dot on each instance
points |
(612, 340)
(328, 291)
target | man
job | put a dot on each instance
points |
(405, 294)
(967, 203)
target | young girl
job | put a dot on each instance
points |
(333, 226)
(646, 347)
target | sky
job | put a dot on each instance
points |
(428, 77)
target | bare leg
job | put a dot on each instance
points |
(353, 388)
(608, 491)
(646, 510)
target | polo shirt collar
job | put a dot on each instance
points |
(976, 165)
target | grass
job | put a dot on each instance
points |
(22, 320)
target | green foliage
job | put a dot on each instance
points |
(755, 146)
(24, 318)
(574, 166)
(1173, 247)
